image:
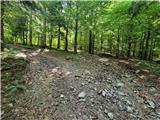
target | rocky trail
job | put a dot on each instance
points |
(90, 88)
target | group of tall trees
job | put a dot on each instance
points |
(126, 28)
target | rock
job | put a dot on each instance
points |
(128, 102)
(151, 104)
(103, 93)
(119, 85)
(82, 94)
(125, 105)
(158, 111)
(110, 115)
(71, 88)
(129, 109)
(82, 84)
(87, 72)
(105, 111)
(82, 100)
(152, 89)
(10, 105)
(127, 75)
(61, 96)
(108, 94)
(137, 71)
(122, 105)
(121, 93)
(95, 89)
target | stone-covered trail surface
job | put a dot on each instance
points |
(85, 88)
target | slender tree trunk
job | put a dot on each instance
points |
(30, 31)
(147, 43)
(130, 37)
(151, 50)
(141, 46)
(23, 38)
(101, 42)
(43, 40)
(51, 38)
(80, 47)
(93, 42)
(66, 39)
(118, 42)
(134, 49)
(76, 34)
(26, 37)
(2, 27)
(59, 36)
(90, 42)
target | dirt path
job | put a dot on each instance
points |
(90, 89)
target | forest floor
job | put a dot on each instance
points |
(66, 86)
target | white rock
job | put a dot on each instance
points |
(81, 94)
(137, 71)
(129, 109)
(10, 105)
(103, 93)
(62, 96)
(110, 115)
(120, 85)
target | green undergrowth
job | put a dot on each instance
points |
(66, 55)
(12, 71)
(150, 65)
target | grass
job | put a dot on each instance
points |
(150, 65)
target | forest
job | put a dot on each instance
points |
(80, 60)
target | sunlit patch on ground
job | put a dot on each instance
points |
(21, 55)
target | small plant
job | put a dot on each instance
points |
(15, 88)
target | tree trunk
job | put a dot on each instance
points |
(134, 49)
(51, 37)
(76, 34)
(26, 37)
(101, 42)
(30, 31)
(43, 40)
(118, 42)
(2, 27)
(23, 38)
(90, 42)
(66, 40)
(80, 47)
(151, 50)
(147, 43)
(93, 42)
(59, 36)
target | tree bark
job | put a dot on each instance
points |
(2, 27)
(134, 49)
(147, 43)
(118, 42)
(76, 34)
(90, 42)
(66, 39)
(30, 30)
(59, 36)
(80, 47)
(101, 42)
(51, 36)
(23, 38)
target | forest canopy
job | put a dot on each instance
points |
(122, 28)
